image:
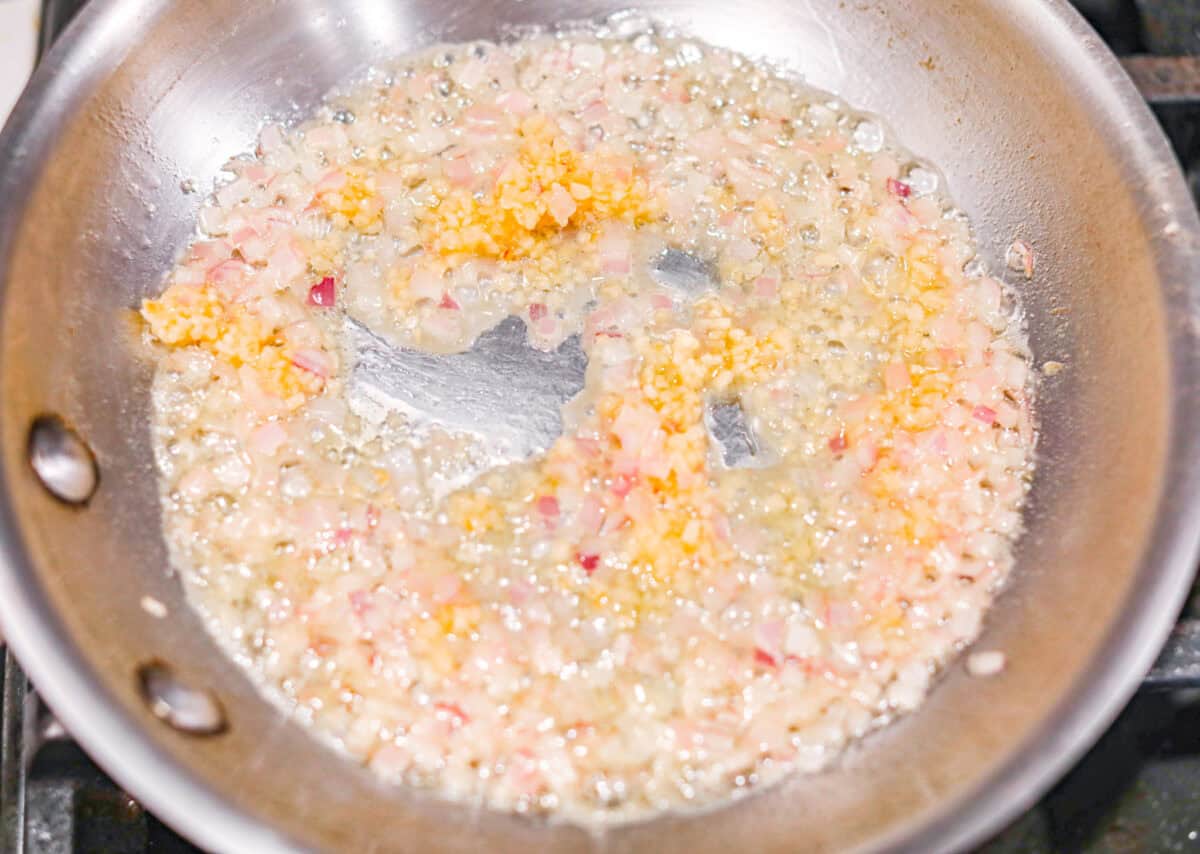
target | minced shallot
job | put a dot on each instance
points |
(623, 624)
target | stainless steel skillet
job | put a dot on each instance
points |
(1041, 138)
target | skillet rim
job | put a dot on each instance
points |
(92, 45)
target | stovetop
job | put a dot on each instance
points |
(1137, 790)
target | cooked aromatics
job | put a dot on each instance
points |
(623, 624)
(544, 189)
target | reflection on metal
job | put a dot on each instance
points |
(62, 461)
(195, 711)
(684, 272)
(502, 389)
(731, 433)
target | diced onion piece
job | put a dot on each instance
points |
(898, 188)
(483, 118)
(323, 293)
(333, 180)
(286, 263)
(560, 204)
(314, 361)
(766, 287)
(516, 102)
(984, 414)
(615, 250)
(764, 658)
(985, 663)
(425, 284)
(268, 438)
(769, 636)
(459, 170)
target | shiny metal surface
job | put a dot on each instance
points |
(191, 710)
(1178, 664)
(62, 461)
(684, 272)
(731, 434)
(502, 389)
(1041, 138)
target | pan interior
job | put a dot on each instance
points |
(143, 100)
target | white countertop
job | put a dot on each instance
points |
(18, 41)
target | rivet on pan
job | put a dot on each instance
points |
(62, 461)
(192, 710)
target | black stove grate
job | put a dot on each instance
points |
(1138, 790)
